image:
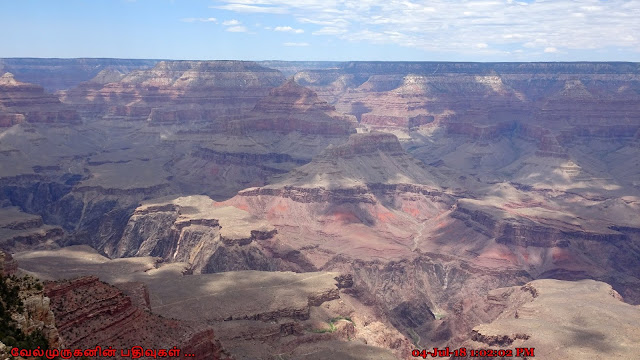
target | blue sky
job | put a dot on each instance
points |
(412, 30)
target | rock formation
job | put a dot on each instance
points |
(195, 230)
(91, 313)
(20, 102)
(254, 314)
(425, 186)
(291, 107)
(8, 265)
(19, 230)
(176, 92)
(541, 315)
(63, 74)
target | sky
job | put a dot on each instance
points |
(334, 30)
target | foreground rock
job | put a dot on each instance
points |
(255, 314)
(26, 320)
(561, 320)
(91, 313)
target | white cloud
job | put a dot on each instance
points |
(288, 29)
(237, 29)
(296, 44)
(231, 22)
(464, 26)
(251, 8)
(191, 20)
(330, 30)
(550, 49)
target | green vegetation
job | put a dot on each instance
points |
(415, 338)
(332, 326)
(11, 303)
(439, 316)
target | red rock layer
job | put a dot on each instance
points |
(359, 144)
(486, 101)
(21, 102)
(177, 91)
(292, 107)
(89, 312)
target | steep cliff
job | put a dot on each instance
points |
(176, 92)
(195, 230)
(26, 319)
(91, 313)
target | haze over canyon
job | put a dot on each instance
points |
(321, 210)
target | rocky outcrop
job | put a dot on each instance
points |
(195, 230)
(26, 319)
(8, 265)
(37, 315)
(24, 102)
(91, 313)
(19, 230)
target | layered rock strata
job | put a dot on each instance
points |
(62, 74)
(24, 102)
(176, 92)
(197, 231)
(19, 230)
(91, 313)
(291, 107)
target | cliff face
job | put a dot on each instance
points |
(20, 102)
(176, 92)
(292, 107)
(196, 231)
(91, 313)
(26, 319)
(8, 265)
(553, 105)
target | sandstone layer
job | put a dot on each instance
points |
(91, 313)
(176, 91)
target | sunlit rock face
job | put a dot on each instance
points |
(176, 91)
(24, 102)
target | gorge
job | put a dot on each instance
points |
(309, 210)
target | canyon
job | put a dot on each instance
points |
(305, 210)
